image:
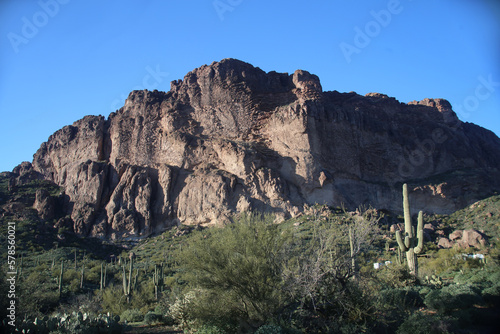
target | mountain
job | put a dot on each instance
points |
(230, 137)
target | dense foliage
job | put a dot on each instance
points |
(310, 274)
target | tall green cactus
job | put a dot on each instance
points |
(75, 260)
(82, 276)
(61, 278)
(412, 243)
(158, 279)
(127, 283)
(353, 255)
(124, 277)
(130, 274)
(102, 277)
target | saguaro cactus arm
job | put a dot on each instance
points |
(124, 277)
(420, 234)
(61, 278)
(400, 241)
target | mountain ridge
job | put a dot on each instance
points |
(230, 137)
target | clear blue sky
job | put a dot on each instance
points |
(63, 59)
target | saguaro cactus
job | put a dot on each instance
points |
(127, 284)
(61, 278)
(353, 255)
(102, 283)
(412, 243)
(82, 276)
(158, 279)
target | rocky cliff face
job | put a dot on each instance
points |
(230, 137)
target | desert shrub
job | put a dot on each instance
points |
(269, 329)
(433, 301)
(351, 328)
(463, 296)
(152, 318)
(163, 308)
(179, 311)
(404, 298)
(74, 285)
(38, 294)
(424, 291)
(396, 276)
(199, 307)
(241, 260)
(420, 323)
(93, 275)
(69, 275)
(452, 297)
(132, 315)
(114, 301)
(491, 295)
(210, 329)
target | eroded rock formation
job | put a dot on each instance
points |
(230, 137)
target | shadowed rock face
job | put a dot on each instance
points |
(230, 137)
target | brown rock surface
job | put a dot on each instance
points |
(472, 238)
(445, 243)
(230, 137)
(456, 235)
(44, 204)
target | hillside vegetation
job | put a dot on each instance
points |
(310, 274)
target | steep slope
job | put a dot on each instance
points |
(230, 137)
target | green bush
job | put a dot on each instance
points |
(269, 329)
(402, 298)
(452, 297)
(424, 291)
(491, 295)
(352, 329)
(242, 261)
(419, 323)
(210, 329)
(152, 318)
(132, 315)
(164, 311)
(397, 276)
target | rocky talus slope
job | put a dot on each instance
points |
(230, 137)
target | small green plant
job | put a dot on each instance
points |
(152, 318)
(419, 323)
(132, 315)
(434, 280)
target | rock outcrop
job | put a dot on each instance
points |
(44, 204)
(230, 137)
(464, 239)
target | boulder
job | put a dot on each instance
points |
(445, 243)
(473, 238)
(456, 235)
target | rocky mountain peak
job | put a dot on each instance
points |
(230, 137)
